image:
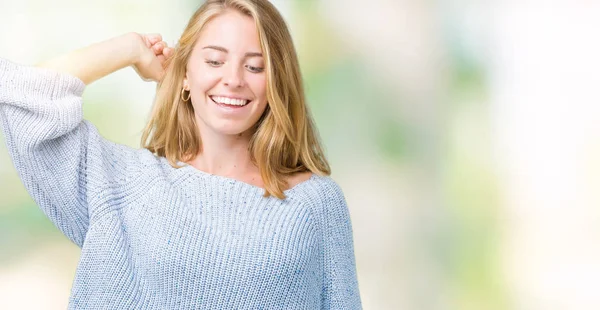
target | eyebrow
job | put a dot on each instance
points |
(224, 50)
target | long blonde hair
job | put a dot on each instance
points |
(285, 140)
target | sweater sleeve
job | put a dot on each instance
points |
(340, 287)
(58, 156)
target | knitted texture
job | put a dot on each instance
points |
(156, 237)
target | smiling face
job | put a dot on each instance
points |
(225, 75)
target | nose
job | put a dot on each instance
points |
(233, 77)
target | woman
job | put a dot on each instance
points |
(228, 205)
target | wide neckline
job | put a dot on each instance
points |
(242, 183)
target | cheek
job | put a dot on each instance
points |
(203, 81)
(258, 85)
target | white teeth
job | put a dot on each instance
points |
(230, 101)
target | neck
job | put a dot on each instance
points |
(225, 155)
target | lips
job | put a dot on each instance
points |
(231, 105)
(229, 101)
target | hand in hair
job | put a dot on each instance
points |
(152, 56)
(147, 54)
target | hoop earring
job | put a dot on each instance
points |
(183, 97)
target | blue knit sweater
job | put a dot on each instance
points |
(156, 237)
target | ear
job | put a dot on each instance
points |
(186, 85)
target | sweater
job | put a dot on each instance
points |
(157, 237)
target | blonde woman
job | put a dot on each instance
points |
(227, 205)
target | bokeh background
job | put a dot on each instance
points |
(465, 135)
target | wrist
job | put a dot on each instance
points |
(132, 42)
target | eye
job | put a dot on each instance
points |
(213, 63)
(254, 69)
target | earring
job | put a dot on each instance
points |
(183, 97)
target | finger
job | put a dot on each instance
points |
(154, 37)
(162, 43)
(168, 52)
(162, 59)
(158, 48)
(151, 39)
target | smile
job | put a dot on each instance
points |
(228, 101)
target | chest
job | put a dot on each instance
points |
(202, 235)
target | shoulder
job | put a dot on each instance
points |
(298, 178)
(327, 185)
(324, 192)
(328, 204)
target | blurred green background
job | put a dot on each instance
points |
(465, 136)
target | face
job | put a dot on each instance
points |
(225, 75)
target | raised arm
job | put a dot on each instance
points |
(67, 167)
(145, 53)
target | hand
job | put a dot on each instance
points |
(152, 56)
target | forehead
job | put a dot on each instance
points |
(231, 30)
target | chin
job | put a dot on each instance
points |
(231, 128)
